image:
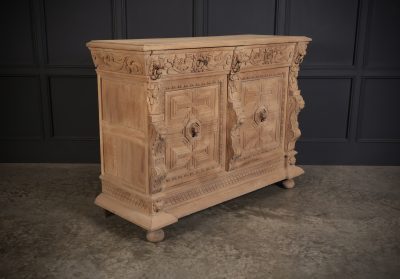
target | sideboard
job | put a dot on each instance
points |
(187, 123)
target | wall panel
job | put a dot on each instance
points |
(238, 17)
(332, 24)
(20, 108)
(16, 34)
(325, 116)
(70, 24)
(74, 107)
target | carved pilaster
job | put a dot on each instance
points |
(295, 104)
(157, 135)
(237, 117)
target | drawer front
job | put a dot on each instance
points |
(257, 101)
(194, 119)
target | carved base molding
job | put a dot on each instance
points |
(193, 197)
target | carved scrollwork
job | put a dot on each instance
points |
(295, 104)
(118, 62)
(188, 62)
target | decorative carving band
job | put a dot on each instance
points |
(263, 55)
(128, 198)
(224, 181)
(188, 62)
(129, 63)
(295, 104)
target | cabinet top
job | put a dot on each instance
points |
(194, 42)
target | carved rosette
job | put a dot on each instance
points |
(188, 62)
(129, 62)
(295, 104)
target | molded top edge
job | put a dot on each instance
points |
(193, 42)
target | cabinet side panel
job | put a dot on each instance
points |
(123, 125)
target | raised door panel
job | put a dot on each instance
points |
(260, 104)
(194, 120)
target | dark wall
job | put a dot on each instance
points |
(350, 78)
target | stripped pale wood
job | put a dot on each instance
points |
(187, 123)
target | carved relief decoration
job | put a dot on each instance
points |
(188, 62)
(237, 118)
(155, 105)
(192, 117)
(257, 102)
(263, 55)
(295, 104)
(128, 198)
(129, 62)
(222, 181)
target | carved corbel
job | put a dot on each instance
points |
(295, 104)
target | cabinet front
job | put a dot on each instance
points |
(194, 119)
(257, 102)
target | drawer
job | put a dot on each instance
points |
(194, 122)
(256, 115)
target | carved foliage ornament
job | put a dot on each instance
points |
(259, 56)
(184, 63)
(295, 104)
(117, 62)
(155, 104)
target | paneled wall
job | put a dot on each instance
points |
(350, 78)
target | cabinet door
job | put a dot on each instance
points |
(195, 111)
(257, 101)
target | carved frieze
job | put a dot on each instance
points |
(123, 62)
(262, 55)
(188, 62)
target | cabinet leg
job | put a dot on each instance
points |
(288, 183)
(108, 213)
(155, 236)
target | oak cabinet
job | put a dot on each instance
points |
(187, 123)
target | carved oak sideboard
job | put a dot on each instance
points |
(187, 123)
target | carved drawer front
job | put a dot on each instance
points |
(194, 115)
(257, 128)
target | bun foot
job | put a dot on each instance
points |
(155, 236)
(288, 183)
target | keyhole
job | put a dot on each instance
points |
(194, 132)
(263, 116)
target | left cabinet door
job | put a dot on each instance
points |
(195, 127)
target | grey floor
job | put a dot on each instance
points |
(339, 222)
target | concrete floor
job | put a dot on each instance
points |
(340, 222)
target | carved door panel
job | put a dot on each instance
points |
(257, 102)
(194, 119)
